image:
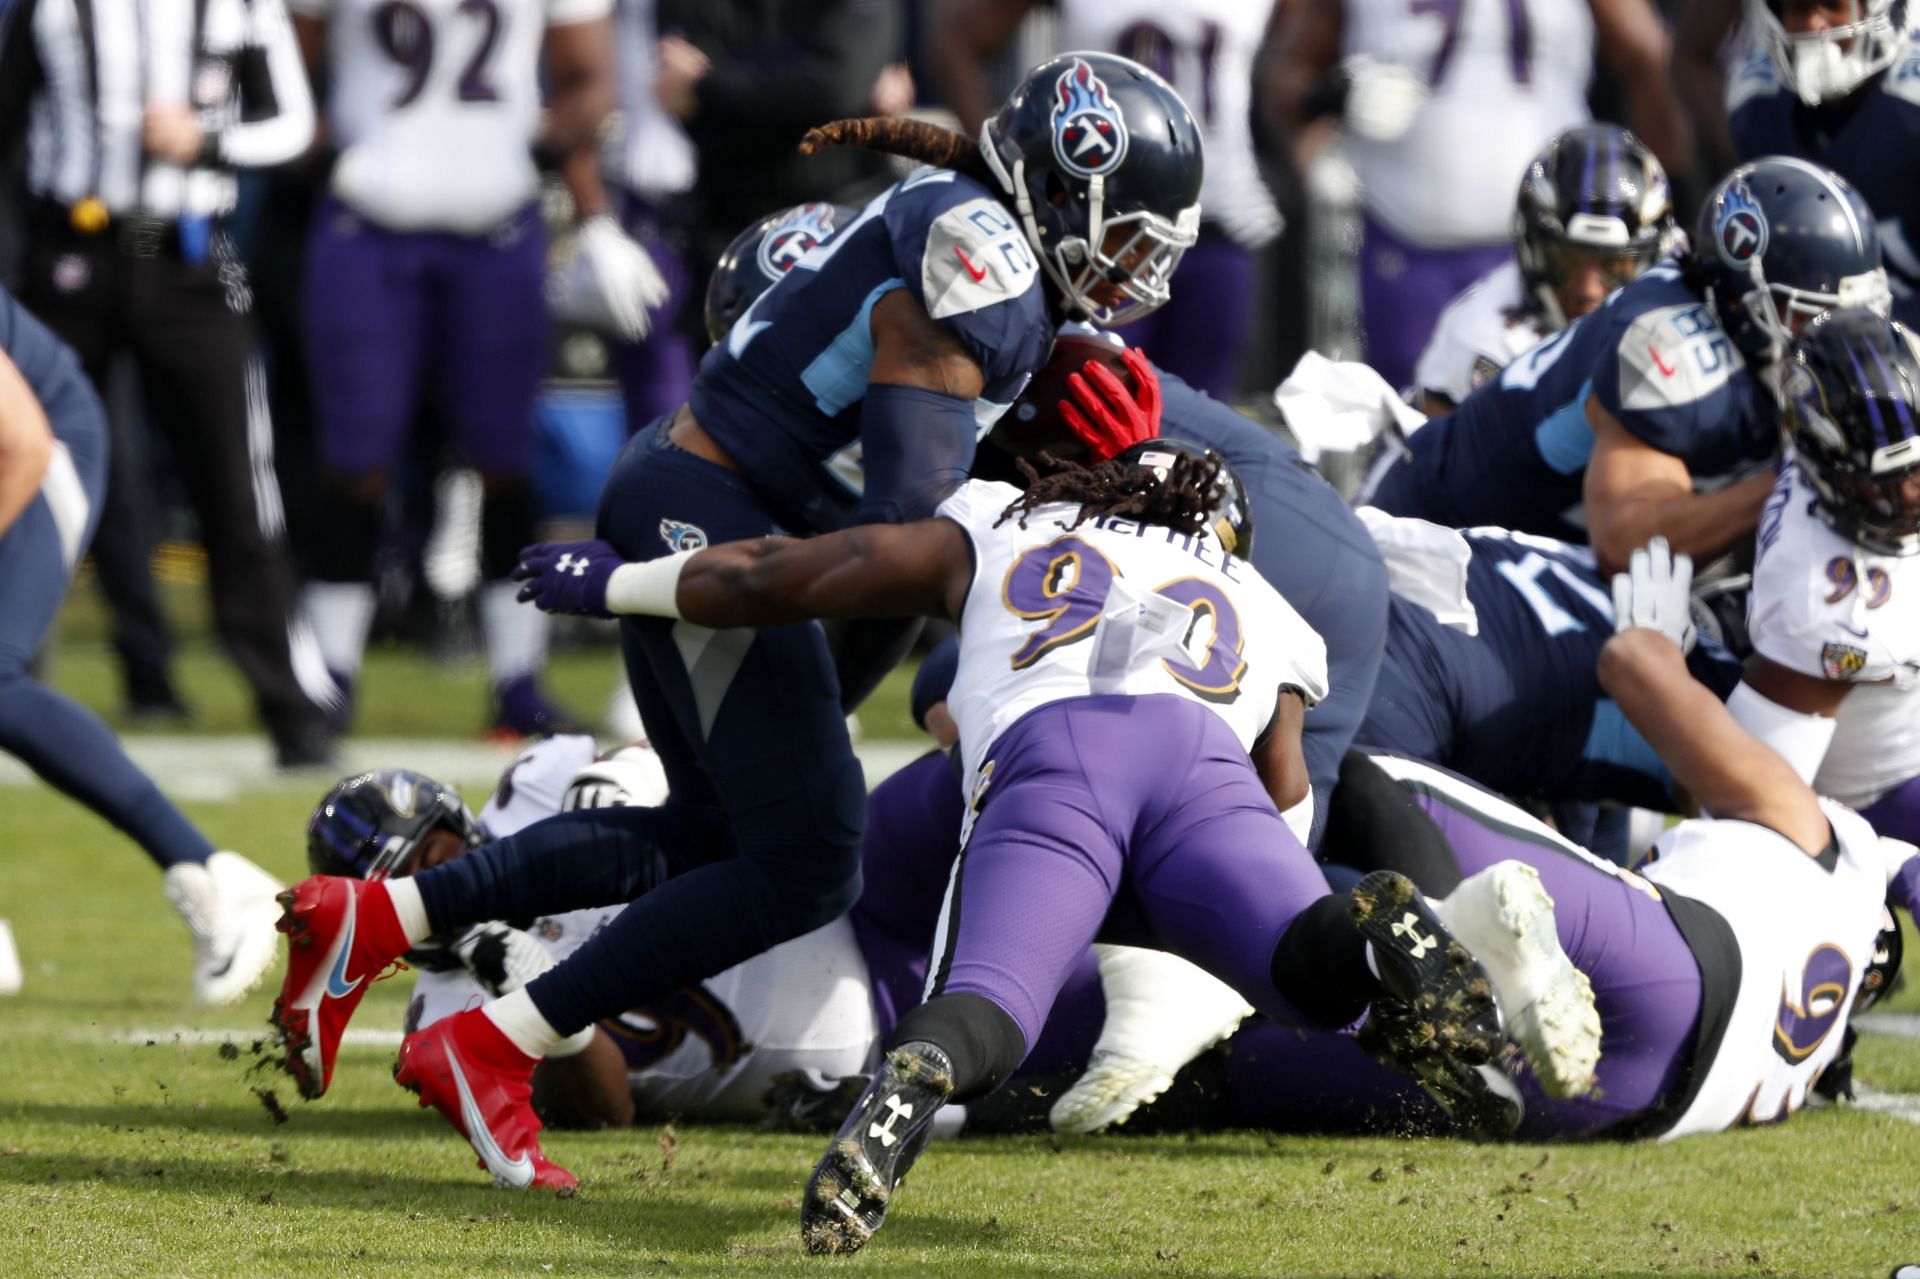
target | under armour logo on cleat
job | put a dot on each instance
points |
(568, 564)
(896, 1109)
(1409, 926)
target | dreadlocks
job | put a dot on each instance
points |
(1184, 501)
(911, 139)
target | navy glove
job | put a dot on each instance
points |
(567, 577)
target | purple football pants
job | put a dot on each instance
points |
(1201, 333)
(1897, 813)
(1095, 797)
(393, 318)
(1403, 289)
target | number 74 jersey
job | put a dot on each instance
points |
(434, 104)
(1115, 607)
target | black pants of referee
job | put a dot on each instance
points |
(187, 326)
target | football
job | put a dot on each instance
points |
(1033, 425)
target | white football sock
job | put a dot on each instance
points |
(340, 614)
(407, 904)
(516, 633)
(520, 1021)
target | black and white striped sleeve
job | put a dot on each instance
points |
(276, 119)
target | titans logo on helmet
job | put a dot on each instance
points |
(781, 247)
(1741, 229)
(1089, 134)
(682, 537)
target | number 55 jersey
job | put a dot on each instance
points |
(1114, 606)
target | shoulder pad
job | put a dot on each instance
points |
(1902, 79)
(1755, 77)
(1673, 356)
(976, 256)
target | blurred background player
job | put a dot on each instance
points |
(1593, 212)
(424, 281)
(53, 470)
(1837, 82)
(1205, 49)
(1443, 107)
(1832, 682)
(137, 118)
(1618, 427)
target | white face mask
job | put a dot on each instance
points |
(1828, 65)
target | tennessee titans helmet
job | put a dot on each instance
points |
(1102, 161)
(1593, 192)
(1232, 515)
(1850, 404)
(1821, 66)
(762, 254)
(1779, 241)
(368, 825)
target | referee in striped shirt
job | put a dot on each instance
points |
(136, 113)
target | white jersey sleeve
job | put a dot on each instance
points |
(1115, 606)
(1481, 332)
(1829, 609)
(1804, 934)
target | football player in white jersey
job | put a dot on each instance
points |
(1835, 612)
(1205, 49)
(424, 279)
(1500, 77)
(1592, 213)
(1106, 726)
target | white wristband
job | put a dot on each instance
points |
(648, 588)
(1800, 739)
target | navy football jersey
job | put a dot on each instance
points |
(1870, 139)
(1515, 453)
(1517, 706)
(52, 372)
(783, 393)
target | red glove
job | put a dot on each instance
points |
(1106, 416)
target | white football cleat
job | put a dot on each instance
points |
(1162, 1012)
(1505, 917)
(228, 905)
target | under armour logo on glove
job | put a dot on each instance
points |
(567, 577)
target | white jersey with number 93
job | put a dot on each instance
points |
(434, 105)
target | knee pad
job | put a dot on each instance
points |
(507, 525)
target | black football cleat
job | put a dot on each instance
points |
(1437, 1021)
(851, 1186)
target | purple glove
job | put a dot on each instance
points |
(567, 577)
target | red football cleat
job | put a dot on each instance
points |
(341, 935)
(482, 1083)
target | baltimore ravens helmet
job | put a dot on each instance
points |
(1780, 240)
(1232, 522)
(1593, 192)
(762, 254)
(1102, 161)
(1821, 66)
(1850, 404)
(368, 825)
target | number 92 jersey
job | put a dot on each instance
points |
(783, 393)
(434, 105)
(1827, 608)
(1115, 607)
(1515, 453)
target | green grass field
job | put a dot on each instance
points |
(130, 1144)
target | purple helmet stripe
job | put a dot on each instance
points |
(1894, 393)
(1867, 389)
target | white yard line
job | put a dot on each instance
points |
(1900, 1105)
(1898, 1025)
(239, 1036)
(221, 768)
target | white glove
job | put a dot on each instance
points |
(1656, 592)
(1382, 97)
(611, 283)
(500, 958)
(631, 775)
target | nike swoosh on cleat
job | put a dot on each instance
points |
(518, 1172)
(338, 987)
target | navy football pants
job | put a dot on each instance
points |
(760, 840)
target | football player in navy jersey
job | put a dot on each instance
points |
(1838, 83)
(852, 390)
(53, 472)
(1602, 433)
